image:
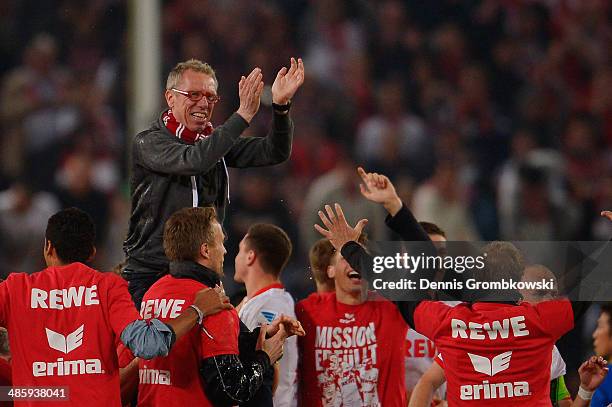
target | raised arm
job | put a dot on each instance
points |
(159, 151)
(344, 239)
(379, 189)
(276, 147)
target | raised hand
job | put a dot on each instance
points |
(249, 91)
(338, 231)
(592, 373)
(378, 188)
(607, 214)
(287, 82)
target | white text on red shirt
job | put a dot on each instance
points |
(480, 331)
(65, 297)
(159, 308)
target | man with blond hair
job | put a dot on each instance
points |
(181, 160)
(220, 364)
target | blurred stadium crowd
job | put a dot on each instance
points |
(493, 118)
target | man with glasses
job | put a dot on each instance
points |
(181, 161)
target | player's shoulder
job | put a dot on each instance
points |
(545, 309)
(169, 283)
(69, 273)
(316, 299)
(276, 297)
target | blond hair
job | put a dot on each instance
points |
(195, 65)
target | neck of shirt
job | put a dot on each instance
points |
(351, 298)
(262, 287)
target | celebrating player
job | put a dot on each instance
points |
(492, 350)
(264, 253)
(64, 321)
(193, 241)
(353, 354)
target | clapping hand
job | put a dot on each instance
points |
(287, 82)
(249, 91)
(291, 326)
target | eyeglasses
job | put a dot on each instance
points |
(196, 95)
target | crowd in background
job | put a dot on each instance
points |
(493, 118)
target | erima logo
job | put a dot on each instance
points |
(61, 367)
(491, 367)
(154, 376)
(486, 390)
(65, 344)
(348, 318)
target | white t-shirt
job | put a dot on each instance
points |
(264, 307)
(420, 354)
(557, 367)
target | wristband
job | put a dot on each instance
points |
(199, 312)
(584, 394)
(281, 108)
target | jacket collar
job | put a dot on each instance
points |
(194, 271)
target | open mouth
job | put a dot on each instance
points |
(200, 115)
(353, 275)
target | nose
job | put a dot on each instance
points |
(202, 102)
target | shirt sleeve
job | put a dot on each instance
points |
(148, 340)
(261, 151)
(556, 317)
(219, 334)
(121, 309)
(428, 316)
(562, 391)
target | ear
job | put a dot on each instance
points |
(251, 257)
(204, 251)
(92, 255)
(169, 98)
(331, 271)
(48, 250)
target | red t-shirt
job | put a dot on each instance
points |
(352, 355)
(63, 323)
(175, 380)
(495, 351)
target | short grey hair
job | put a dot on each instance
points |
(195, 65)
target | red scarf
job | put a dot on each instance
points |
(183, 132)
